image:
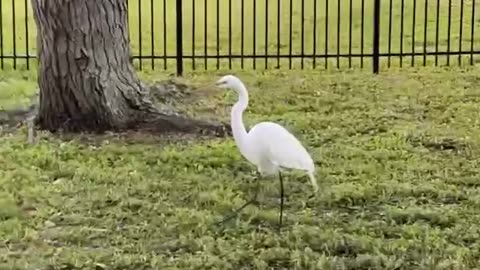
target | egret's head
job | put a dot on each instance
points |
(228, 81)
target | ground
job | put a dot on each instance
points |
(396, 155)
(396, 158)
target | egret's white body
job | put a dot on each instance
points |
(268, 145)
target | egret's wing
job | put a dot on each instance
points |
(282, 147)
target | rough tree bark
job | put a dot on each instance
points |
(86, 79)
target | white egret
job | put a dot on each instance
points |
(268, 145)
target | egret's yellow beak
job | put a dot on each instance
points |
(211, 86)
(206, 88)
(219, 83)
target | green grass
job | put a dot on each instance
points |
(16, 88)
(390, 197)
(396, 156)
(144, 34)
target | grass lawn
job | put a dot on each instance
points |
(397, 156)
(398, 168)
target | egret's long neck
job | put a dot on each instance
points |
(238, 128)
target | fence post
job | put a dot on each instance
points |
(376, 36)
(179, 38)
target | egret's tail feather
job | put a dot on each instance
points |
(314, 181)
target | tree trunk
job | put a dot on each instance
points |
(86, 79)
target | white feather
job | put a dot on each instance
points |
(268, 145)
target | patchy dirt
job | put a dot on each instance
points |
(18, 115)
(175, 101)
(439, 144)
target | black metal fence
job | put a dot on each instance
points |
(231, 34)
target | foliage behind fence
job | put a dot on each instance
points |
(258, 34)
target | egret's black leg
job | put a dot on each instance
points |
(235, 213)
(281, 198)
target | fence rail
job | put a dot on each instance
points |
(229, 34)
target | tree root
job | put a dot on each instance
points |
(159, 120)
(155, 122)
(151, 122)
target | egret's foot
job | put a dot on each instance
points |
(253, 200)
(236, 212)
